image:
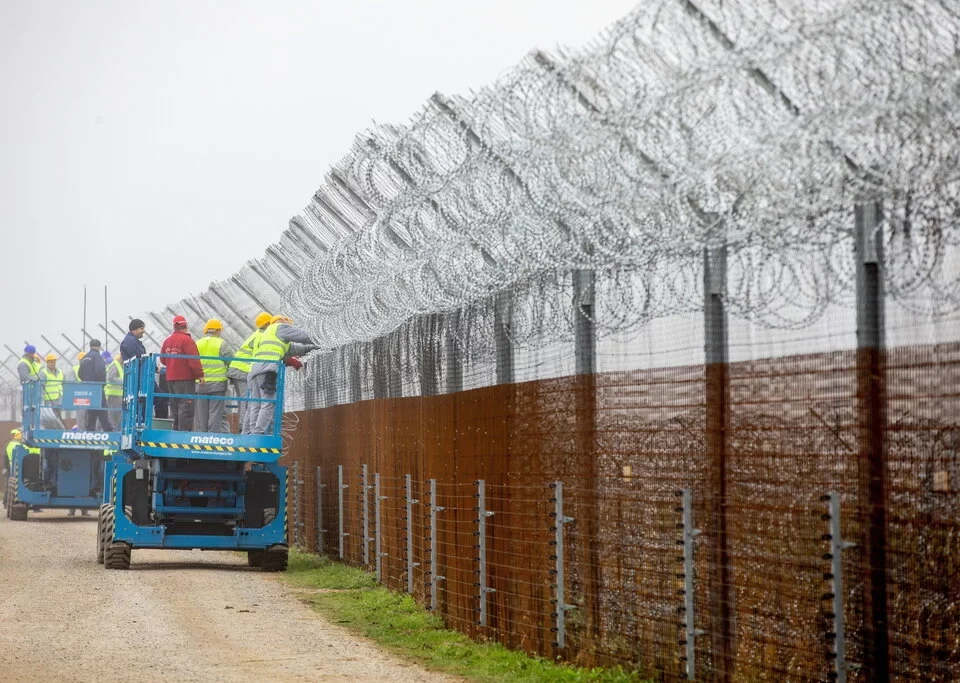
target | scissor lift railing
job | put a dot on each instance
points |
(140, 434)
(42, 422)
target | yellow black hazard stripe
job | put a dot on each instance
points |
(78, 442)
(206, 447)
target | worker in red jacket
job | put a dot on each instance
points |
(182, 373)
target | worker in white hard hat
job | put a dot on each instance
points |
(208, 415)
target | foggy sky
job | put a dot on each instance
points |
(155, 146)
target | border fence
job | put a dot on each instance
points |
(649, 352)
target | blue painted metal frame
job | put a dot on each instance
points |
(34, 435)
(45, 499)
(155, 536)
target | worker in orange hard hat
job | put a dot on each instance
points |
(239, 369)
(208, 415)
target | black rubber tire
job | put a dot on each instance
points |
(106, 511)
(255, 558)
(116, 554)
(16, 511)
(275, 559)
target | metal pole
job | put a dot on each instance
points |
(717, 394)
(408, 481)
(561, 606)
(340, 487)
(376, 525)
(585, 335)
(482, 514)
(366, 515)
(689, 629)
(71, 343)
(837, 546)
(105, 318)
(296, 503)
(434, 577)
(871, 418)
(320, 529)
(83, 329)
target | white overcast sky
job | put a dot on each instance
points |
(155, 146)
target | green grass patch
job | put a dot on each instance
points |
(400, 625)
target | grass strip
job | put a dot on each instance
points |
(351, 597)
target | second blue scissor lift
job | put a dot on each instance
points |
(185, 490)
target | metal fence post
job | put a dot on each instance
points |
(365, 512)
(835, 576)
(320, 530)
(297, 523)
(376, 525)
(690, 630)
(871, 436)
(340, 488)
(560, 603)
(482, 514)
(408, 481)
(434, 576)
(717, 399)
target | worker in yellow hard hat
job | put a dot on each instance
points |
(7, 462)
(52, 379)
(208, 414)
(281, 341)
(239, 369)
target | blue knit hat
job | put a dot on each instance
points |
(30, 348)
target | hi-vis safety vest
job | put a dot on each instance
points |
(246, 351)
(213, 370)
(76, 372)
(270, 346)
(34, 367)
(52, 384)
(10, 447)
(112, 388)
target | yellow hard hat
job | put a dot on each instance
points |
(14, 431)
(281, 319)
(263, 318)
(117, 357)
(213, 324)
(51, 356)
(81, 355)
(37, 356)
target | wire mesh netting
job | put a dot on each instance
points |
(715, 251)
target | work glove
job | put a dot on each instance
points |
(293, 362)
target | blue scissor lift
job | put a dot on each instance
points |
(191, 490)
(55, 467)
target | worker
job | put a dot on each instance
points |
(239, 369)
(208, 416)
(52, 379)
(280, 341)
(114, 387)
(7, 464)
(182, 373)
(93, 369)
(28, 369)
(131, 346)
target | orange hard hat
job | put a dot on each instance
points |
(81, 355)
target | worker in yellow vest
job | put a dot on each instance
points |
(52, 379)
(208, 413)
(28, 369)
(7, 465)
(279, 342)
(113, 389)
(239, 369)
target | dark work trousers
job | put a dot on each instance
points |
(181, 409)
(101, 415)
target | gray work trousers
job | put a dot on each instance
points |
(181, 409)
(208, 413)
(240, 390)
(260, 415)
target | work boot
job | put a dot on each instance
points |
(71, 513)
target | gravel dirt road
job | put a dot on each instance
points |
(173, 616)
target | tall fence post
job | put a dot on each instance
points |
(502, 322)
(377, 548)
(320, 530)
(560, 602)
(340, 488)
(835, 576)
(871, 419)
(690, 631)
(717, 397)
(409, 501)
(435, 577)
(482, 515)
(365, 512)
